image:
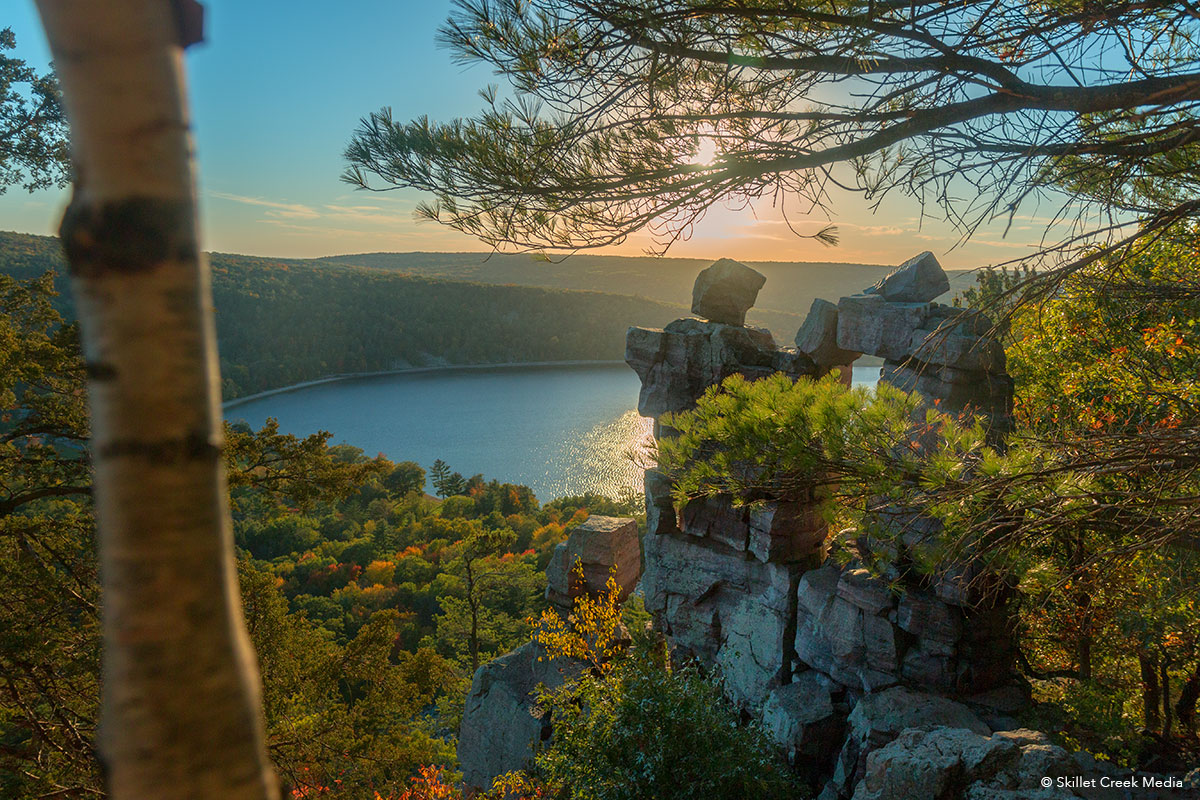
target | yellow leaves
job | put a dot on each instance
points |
(589, 633)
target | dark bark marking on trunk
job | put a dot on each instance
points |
(100, 371)
(127, 236)
(189, 19)
(195, 446)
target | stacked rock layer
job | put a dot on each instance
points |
(797, 639)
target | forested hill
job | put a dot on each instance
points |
(782, 303)
(283, 321)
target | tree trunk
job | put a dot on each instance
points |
(1164, 682)
(1189, 695)
(473, 604)
(1151, 717)
(180, 705)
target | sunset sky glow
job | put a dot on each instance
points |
(279, 87)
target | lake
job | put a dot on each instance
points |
(558, 429)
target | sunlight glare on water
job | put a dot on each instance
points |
(607, 460)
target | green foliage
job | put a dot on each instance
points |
(1103, 356)
(367, 606)
(49, 624)
(33, 126)
(629, 726)
(1107, 371)
(775, 438)
(445, 482)
(647, 731)
(1088, 508)
(268, 463)
(405, 477)
(342, 719)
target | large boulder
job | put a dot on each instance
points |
(945, 345)
(501, 726)
(786, 530)
(879, 718)
(937, 764)
(604, 546)
(725, 291)
(817, 337)
(843, 628)
(918, 280)
(805, 720)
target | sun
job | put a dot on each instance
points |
(706, 152)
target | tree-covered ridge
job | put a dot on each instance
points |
(283, 321)
(781, 304)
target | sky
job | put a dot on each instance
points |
(279, 87)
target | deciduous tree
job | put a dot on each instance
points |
(33, 127)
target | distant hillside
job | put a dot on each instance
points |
(281, 322)
(782, 303)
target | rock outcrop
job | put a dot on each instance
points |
(860, 632)
(955, 763)
(602, 546)
(818, 337)
(946, 355)
(502, 725)
(677, 363)
(744, 587)
(918, 280)
(747, 589)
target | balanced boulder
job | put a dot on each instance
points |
(726, 291)
(918, 280)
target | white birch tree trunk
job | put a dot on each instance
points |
(180, 698)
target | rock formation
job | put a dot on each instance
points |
(944, 354)
(798, 640)
(725, 291)
(817, 337)
(501, 724)
(597, 545)
(880, 684)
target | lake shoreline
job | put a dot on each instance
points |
(442, 368)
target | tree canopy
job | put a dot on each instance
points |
(977, 106)
(33, 126)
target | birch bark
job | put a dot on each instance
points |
(180, 705)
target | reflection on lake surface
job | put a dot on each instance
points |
(559, 430)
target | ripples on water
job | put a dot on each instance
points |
(559, 430)
(607, 460)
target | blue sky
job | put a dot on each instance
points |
(279, 87)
